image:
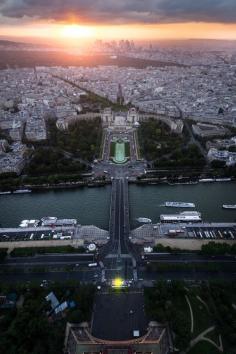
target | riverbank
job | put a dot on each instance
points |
(103, 183)
(66, 185)
(92, 205)
(181, 180)
(181, 244)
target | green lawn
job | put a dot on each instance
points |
(204, 347)
(166, 302)
(202, 319)
(213, 335)
(127, 149)
(112, 149)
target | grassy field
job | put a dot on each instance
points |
(167, 301)
(204, 347)
(112, 149)
(214, 335)
(127, 149)
(202, 318)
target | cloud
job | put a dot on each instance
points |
(123, 11)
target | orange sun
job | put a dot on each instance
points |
(76, 31)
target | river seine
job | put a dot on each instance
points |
(91, 205)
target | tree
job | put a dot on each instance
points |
(217, 164)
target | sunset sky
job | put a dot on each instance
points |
(65, 20)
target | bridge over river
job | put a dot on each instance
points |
(118, 257)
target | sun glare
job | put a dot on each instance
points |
(76, 31)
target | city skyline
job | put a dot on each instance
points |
(118, 176)
(138, 20)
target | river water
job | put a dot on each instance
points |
(147, 201)
(87, 205)
(91, 205)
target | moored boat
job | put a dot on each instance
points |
(21, 191)
(185, 216)
(229, 206)
(206, 180)
(144, 220)
(179, 205)
(223, 179)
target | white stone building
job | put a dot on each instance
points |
(120, 119)
(222, 155)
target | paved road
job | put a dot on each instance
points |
(193, 139)
(148, 278)
(117, 255)
(93, 276)
(119, 219)
(70, 259)
(180, 258)
(84, 276)
(63, 259)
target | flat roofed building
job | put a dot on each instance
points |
(192, 216)
(119, 119)
(204, 130)
(222, 155)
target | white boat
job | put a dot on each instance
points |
(3, 193)
(144, 220)
(48, 220)
(229, 206)
(223, 179)
(185, 216)
(206, 180)
(29, 223)
(20, 191)
(194, 212)
(179, 205)
(182, 183)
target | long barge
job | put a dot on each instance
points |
(179, 205)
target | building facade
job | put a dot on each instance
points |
(79, 340)
(112, 119)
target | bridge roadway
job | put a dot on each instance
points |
(119, 218)
(117, 255)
